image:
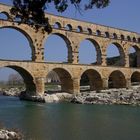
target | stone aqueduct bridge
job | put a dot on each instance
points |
(73, 32)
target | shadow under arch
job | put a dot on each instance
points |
(135, 78)
(26, 35)
(91, 80)
(27, 77)
(65, 78)
(116, 80)
(97, 49)
(116, 60)
(68, 45)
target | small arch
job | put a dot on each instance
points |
(68, 27)
(122, 37)
(57, 25)
(89, 31)
(98, 33)
(79, 29)
(107, 34)
(117, 80)
(4, 15)
(91, 80)
(65, 80)
(134, 39)
(135, 79)
(138, 40)
(128, 38)
(115, 55)
(115, 36)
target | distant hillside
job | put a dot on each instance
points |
(115, 60)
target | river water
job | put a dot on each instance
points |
(66, 121)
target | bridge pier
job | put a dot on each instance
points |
(76, 86)
(105, 83)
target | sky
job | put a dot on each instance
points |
(122, 14)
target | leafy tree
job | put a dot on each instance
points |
(33, 11)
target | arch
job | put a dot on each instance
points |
(117, 80)
(91, 80)
(26, 35)
(134, 39)
(89, 31)
(115, 36)
(65, 78)
(138, 40)
(128, 38)
(107, 34)
(4, 15)
(57, 25)
(98, 53)
(98, 32)
(79, 29)
(68, 52)
(27, 77)
(135, 78)
(134, 56)
(68, 27)
(113, 58)
(122, 37)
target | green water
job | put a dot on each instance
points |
(65, 121)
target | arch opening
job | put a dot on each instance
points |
(17, 77)
(79, 29)
(115, 55)
(107, 34)
(57, 25)
(89, 52)
(134, 56)
(68, 27)
(15, 44)
(135, 79)
(59, 80)
(117, 80)
(90, 80)
(4, 16)
(58, 49)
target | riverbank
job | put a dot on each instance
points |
(111, 96)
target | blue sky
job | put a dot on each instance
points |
(120, 13)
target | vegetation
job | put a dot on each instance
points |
(33, 11)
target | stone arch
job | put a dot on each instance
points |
(27, 77)
(122, 37)
(98, 33)
(6, 15)
(68, 45)
(98, 50)
(68, 27)
(89, 31)
(117, 80)
(92, 79)
(135, 78)
(65, 79)
(79, 29)
(134, 56)
(116, 60)
(57, 25)
(107, 34)
(128, 38)
(27, 36)
(134, 39)
(115, 36)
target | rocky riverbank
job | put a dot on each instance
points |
(9, 135)
(111, 96)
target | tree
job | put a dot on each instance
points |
(33, 11)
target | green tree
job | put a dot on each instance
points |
(33, 11)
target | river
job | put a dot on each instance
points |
(66, 121)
